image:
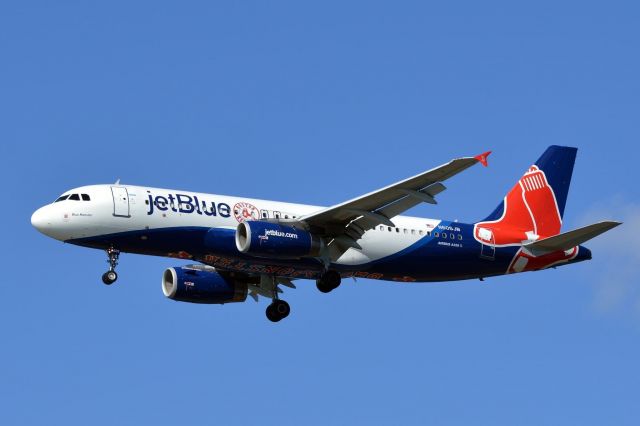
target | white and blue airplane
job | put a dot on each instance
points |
(249, 247)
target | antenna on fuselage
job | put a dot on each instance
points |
(117, 182)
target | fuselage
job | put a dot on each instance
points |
(201, 227)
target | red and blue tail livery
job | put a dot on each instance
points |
(239, 247)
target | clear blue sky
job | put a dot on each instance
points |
(316, 104)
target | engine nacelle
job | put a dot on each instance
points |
(201, 285)
(265, 239)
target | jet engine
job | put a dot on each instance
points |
(197, 284)
(265, 239)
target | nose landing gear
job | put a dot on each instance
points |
(111, 276)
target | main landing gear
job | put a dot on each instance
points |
(111, 276)
(329, 281)
(278, 310)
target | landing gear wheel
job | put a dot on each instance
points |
(109, 277)
(271, 314)
(323, 287)
(329, 281)
(278, 310)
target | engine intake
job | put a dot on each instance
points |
(265, 239)
(196, 285)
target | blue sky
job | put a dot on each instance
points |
(317, 103)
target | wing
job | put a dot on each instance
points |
(346, 222)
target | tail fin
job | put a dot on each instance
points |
(534, 207)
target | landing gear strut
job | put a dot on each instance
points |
(329, 281)
(111, 276)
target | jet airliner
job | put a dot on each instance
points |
(249, 248)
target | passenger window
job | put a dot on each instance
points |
(413, 232)
(286, 216)
(276, 215)
(389, 228)
(452, 236)
(74, 197)
(85, 197)
(64, 197)
(420, 232)
(460, 236)
(405, 231)
(436, 234)
(265, 214)
(382, 228)
(444, 235)
(398, 230)
(428, 233)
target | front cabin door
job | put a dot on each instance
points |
(120, 201)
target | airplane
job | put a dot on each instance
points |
(250, 248)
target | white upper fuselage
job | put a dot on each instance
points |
(112, 209)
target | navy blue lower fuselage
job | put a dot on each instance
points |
(430, 258)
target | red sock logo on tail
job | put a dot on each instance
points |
(530, 212)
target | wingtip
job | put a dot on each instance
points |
(612, 223)
(482, 158)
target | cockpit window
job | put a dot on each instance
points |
(74, 197)
(62, 198)
(85, 197)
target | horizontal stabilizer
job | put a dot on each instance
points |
(568, 240)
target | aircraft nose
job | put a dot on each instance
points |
(40, 220)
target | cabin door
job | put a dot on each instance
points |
(120, 201)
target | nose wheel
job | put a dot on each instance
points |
(111, 275)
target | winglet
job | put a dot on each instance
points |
(482, 158)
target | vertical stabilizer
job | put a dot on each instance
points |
(534, 207)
